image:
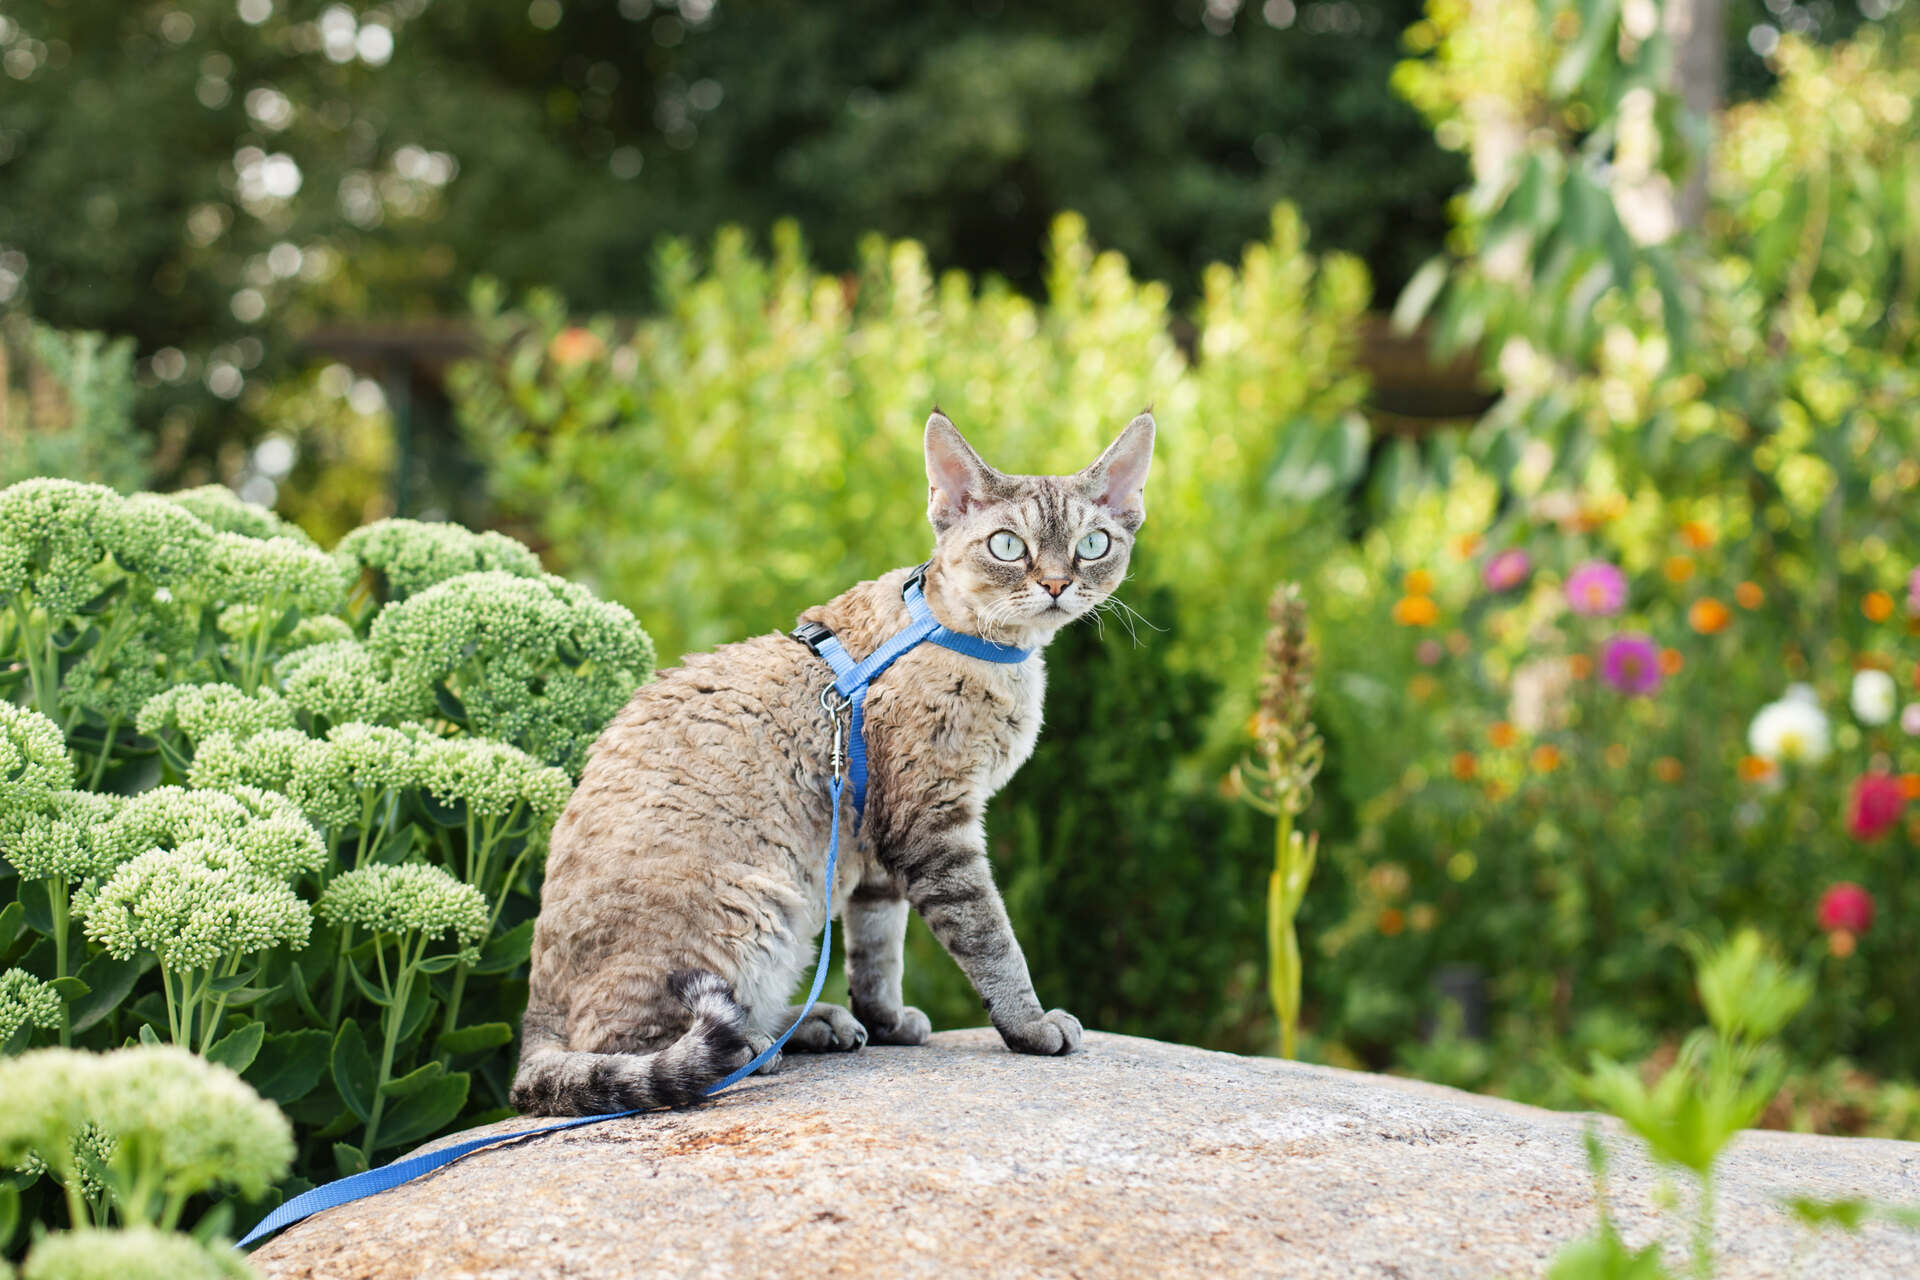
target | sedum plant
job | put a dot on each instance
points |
(256, 796)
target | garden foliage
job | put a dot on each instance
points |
(282, 807)
(1639, 650)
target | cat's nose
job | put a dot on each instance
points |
(1055, 586)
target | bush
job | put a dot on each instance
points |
(256, 799)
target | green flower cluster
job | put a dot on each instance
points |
(138, 1253)
(199, 906)
(406, 899)
(335, 682)
(62, 839)
(163, 1124)
(33, 759)
(25, 1001)
(538, 662)
(196, 710)
(492, 779)
(264, 829)
(405, 557)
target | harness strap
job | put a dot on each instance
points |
(850, 684)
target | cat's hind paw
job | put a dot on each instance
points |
(827, 1028)
(1054, 1033)
(909, 1026)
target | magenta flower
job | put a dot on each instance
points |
(1597, 589)
(1845, 906)
(1913, 593)
(1507, 570)
(1630, 662)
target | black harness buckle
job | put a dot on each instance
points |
(812, 635)
(917, 578)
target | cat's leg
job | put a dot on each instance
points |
(944, 864)
(876, 924)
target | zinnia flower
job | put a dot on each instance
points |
(1910, 718)
(1630, 662)
(1708, 616)
(1794, 728)
(1508, 570)
(1597, 589)
(1846, 906)
(1874, 807)
(1913, 592)
(1874, 696)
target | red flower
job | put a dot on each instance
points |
(1874, 807)
(1846, 906)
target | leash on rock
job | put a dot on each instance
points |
(844, 702)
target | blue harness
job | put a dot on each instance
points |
(847, 694)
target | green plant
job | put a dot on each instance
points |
(1280, 785)
(66, 406)
(258, 845)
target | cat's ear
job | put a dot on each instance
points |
(1117, 480)
(957, 480)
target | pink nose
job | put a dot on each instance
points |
(1055, 586)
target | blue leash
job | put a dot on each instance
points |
(849, 760)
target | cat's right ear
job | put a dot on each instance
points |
(957, 479)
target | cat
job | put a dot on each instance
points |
(684, 887)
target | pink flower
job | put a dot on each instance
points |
(1873, 807)
(1597, 589)
(1429, 653)
(1630, 662)
(1910, 718)
(1846, 906)
(1913, 593)
(1507, 570)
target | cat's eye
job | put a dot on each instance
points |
(1006, 546)
(1094, 545)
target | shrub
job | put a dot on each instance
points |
(229, 748)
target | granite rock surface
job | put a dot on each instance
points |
(1133, 1158)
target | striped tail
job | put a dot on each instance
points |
(555, 1081)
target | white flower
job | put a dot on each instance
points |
(1794, 728)
(1874, 696)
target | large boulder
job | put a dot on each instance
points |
(1133, 1158)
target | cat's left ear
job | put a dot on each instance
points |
(1117, 480)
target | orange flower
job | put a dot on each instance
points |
(1546, 758)
(1423, 917)
(1421, 686)
(1671, 661)
(1502, 734)
(1755, 769)
(1667, 769)
(1579, 666)
(1496, 790)
(1749, 595)
(1910, 785)
(1708, 616)
(1679, 568)
(1878, 606)
(1698, 534)
(1465, 766)
(1458, 643)
(1415, 611)
(1418, 582)
(1617, 756)
(1467, 545)
(1393, 921)
(1840, 944)
(572, 346)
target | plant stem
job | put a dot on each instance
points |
(106, 754)
(396, 1012)
(1703, 1229)
(1283, 944)
(58, 904)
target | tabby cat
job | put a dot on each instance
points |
(684, 888)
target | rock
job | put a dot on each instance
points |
(1133, 1158)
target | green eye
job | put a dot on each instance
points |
(1006, 546)
(1094, 545)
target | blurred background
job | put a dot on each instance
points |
(1564, 351)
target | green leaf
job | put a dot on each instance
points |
(348, 1159)
(1596, 33)
(12, 921)
(237, 1050)
(507, 950)
(100, 602)
(230, 983)
(148, 1035)
(288, 621)
(69, 989)
(449, 704)
(38, 908)
(1418, 296)
(413, 1081)
(366, 986)
(474, 1039)
(352, 1067)
(289, 1064)
(9, 1215)
(438, 964)
(108, 982)
(1846, 1214)
(425, 1112)
(419, 1003)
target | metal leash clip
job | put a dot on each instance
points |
(837, 714)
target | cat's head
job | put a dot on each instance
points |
(1025, 555)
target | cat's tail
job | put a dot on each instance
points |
(555, 1081)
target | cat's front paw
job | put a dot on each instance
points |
(1054, 1033)
(907, 1026)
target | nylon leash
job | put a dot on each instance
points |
(849, 761)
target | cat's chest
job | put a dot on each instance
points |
(957, 719)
